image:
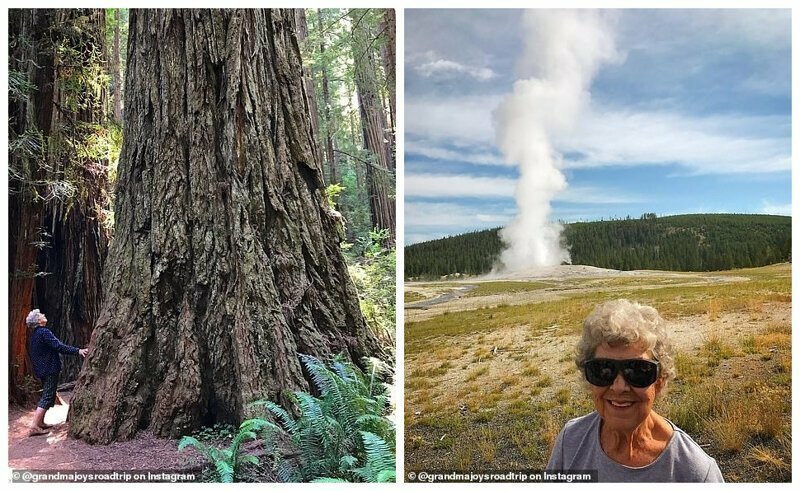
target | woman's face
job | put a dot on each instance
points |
(42, 320)
(622, 407)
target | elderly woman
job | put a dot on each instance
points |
(626, 358)
(44, 348)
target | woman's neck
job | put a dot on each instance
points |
(638, 447)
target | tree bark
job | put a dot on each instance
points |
(225, 262)
(116, 69)
(330, 123)
(308, 80)
(28, 118)
(57, 243)
(388, 26)
(380, 176)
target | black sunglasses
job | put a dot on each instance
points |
(637, 372)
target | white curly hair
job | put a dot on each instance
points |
(32, 320)
(622, 322)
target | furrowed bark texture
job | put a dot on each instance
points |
(380, 175)
(225, 262)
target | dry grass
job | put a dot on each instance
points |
(507, 287)
(409, 297)
(732, 393)
(714, 308)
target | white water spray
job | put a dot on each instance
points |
(564, 49)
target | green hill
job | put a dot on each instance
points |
(708, 242)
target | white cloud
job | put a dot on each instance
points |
(596, 195)
(445, 215)
(729, 144)
(448, 68)
(424, 185)
(459, 121)
(473, 155)
(777, 209)
(710, 145)
(451, 186)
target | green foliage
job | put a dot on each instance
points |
(76, 159)
(379, 466)
(373, 271)
(227, 461)
(218, 431)
(19, 87)
(471, 253)
(81, 65)
(332, 192)
(344, 426)
(709, 242)
(327, 53)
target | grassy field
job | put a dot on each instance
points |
(491, 387)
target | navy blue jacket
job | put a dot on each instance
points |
(44, 348)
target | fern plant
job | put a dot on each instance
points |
(227, 461)
(379, 466)
(344, 426)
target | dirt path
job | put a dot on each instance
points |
(443, 298)
(55, 451)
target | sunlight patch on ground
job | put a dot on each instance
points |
(56, 414)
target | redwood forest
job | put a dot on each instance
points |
(202, 243)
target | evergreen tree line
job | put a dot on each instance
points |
(707, 242)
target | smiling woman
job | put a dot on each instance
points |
(626, 358)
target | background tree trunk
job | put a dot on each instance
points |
(308, 79)
(373, 124)
(225, 262)
(330, 123)
(116, 68)
(388, 26)
(30, 116)
(58, 242)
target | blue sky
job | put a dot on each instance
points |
(693, 117)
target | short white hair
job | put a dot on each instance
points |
(622, 322)
(33, 317)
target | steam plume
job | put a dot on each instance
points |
(564, 49)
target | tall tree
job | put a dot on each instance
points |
(225, 262)
(328, 114)
(58, 164)
(116, 67)
(388, 27)
(308, 80)
(380, 171)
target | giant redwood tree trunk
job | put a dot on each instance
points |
(225, 261)
(57, 241)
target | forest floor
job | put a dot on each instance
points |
(490, 377)
(56, 452)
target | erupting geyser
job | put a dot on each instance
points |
(563, 51)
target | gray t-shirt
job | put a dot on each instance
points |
(578, 448)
